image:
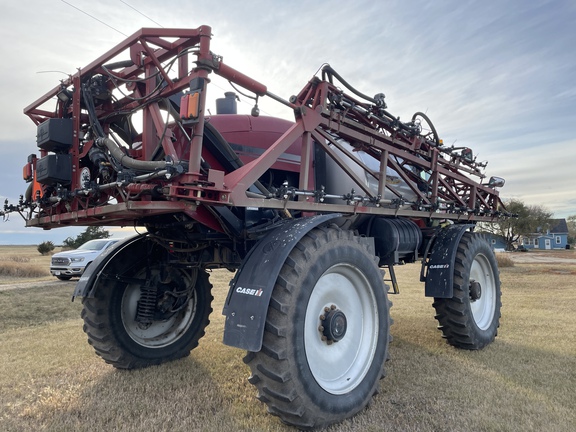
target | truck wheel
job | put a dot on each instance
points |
(177, 316)
(326, 334)
(64, 278)
(470, 319)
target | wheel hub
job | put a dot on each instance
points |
(475, 290)
(333, 324)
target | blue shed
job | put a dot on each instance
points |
(497, 242)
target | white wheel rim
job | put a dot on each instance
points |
(340, 367)
(483, 309)
(160, 333)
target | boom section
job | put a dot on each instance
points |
(122, 173)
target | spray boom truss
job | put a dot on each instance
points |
(119, 175)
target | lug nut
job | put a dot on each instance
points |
(321, 328)
(333, 307)
(326, 309)
(322, 317)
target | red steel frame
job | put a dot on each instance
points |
(316, 121)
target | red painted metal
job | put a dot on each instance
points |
(151, 66)
(239, 78)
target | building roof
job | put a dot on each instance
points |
(558, 226)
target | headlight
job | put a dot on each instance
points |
(77, 259)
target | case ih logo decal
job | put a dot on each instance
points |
(439, 266)
(249, 291)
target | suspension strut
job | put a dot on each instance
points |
(147, 302)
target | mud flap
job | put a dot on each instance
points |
(440, 264)
(250, 291)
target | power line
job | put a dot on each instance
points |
(145, 16)
(53, 71)
(93, 17)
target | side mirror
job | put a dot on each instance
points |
(467, 154)
(495, 182)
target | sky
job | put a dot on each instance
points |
(497, 76)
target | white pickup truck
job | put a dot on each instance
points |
(67, 264)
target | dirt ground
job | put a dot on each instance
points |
(544, 257)
(44, 283)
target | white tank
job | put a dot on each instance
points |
(338, 183)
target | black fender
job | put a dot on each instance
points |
(439, 265)
(250, 291)
(86, 286)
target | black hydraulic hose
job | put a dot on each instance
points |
(118, 65)
(89, 101)
(330, 71)
(432, 128)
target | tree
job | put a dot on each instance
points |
(45, 247)
(91, 233)
(571, 222)
(530, 219)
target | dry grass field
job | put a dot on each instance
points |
(51, 380)
(22, 263)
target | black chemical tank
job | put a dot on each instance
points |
(395, 239)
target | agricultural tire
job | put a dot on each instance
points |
(109, 320)
(470, 319)
(326, 334)
(64, 278)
